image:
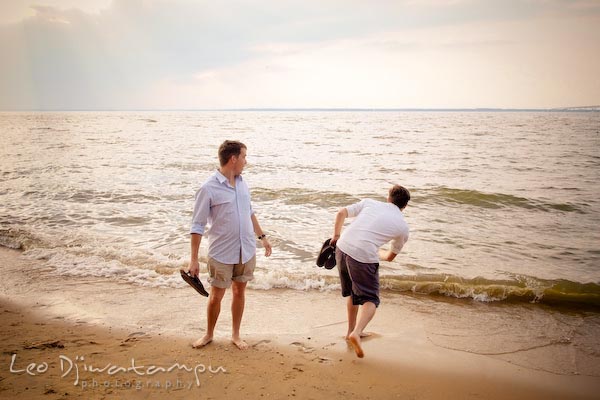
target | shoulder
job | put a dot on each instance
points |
(208, 185)
(373, 202)
(402, 224)
(395, 215)
(211, 181)
(357, 208)
(358, 205)
(367, 202)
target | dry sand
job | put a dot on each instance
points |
(50, 323)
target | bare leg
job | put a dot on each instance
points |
(352, 312)
(367, 311)
(213, 309)
(238, 302)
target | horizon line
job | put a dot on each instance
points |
(322, 109)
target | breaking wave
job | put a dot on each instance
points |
(77, 255)
(489, 200)
(518, 289)
(438, 195)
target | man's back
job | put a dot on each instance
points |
(376, 223)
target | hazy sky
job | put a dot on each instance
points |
(137, 54)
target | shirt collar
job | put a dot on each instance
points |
(222, 179)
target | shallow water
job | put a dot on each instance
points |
(505, 204)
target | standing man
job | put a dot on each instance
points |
(358, 254)
(223, 213)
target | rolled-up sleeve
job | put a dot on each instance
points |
(356, 208)
(397, 245)
(201, 211)
(399, 242)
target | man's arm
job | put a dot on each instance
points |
(199, 220)
(395, 248)
(339, 223)
(195, 245)
(259, 232)
(388, 255)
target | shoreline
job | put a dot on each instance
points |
(296, 345)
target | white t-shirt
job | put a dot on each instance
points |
(376, 223)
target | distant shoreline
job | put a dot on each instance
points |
(562, 110)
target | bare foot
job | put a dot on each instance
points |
(354, 340)
(198, 344)
(362, 335)
(239, 343)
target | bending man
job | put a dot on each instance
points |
(358, 254)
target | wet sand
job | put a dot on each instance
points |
(124, 341)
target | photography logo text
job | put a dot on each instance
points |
(88, 376)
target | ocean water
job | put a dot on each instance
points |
(505, 205)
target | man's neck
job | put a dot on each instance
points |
(229, 174)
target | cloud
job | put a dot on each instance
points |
(475, 65)
(244, 53)
(15, 11)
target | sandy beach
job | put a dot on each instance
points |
(66, 337)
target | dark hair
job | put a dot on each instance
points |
(399, 195)
(228, 149)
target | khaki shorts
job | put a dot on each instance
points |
(221, 275)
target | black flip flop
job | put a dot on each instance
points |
(326, 256)
(194, 282)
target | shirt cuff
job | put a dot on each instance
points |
(198, 229)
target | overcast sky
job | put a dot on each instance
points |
(174, 54)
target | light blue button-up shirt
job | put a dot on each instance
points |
(222, 213)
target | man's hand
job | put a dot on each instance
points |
(267, 246)
(334, 240)
(194, 268)
(386, 255)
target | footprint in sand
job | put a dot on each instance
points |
(83, 342)
(137, 334)
(264, 341)
(134, 337)
(44, 345)
(298, 367)
(302, 347)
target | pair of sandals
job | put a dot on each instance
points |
(326, 256)
(194, 282)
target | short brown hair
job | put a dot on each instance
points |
(228, 149)
(399, 195)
